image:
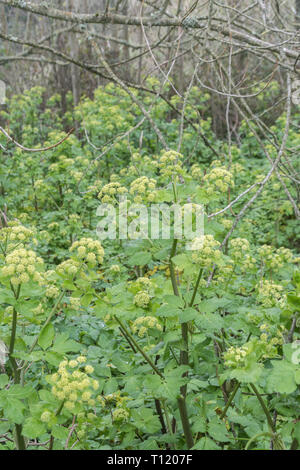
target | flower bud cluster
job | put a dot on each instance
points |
(206, 250)
(238, 248)
(142, 324)
(142, 299)
(109, 192)
(15, 233)
(142, 189)
(72, 383)
(170, 164)
(88, 250)
(271, 294)
(218, 180)
(22, 266)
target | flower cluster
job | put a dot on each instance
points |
(218, 180)
(143, 189)
(75, 303)
(206, 250)
(15, 233)
(143, 283)
(72, 384)
(196, 172)
(77, 175)
(115, 269)
(271, 294)
(120, 413)
(21, 266)
(238, 248)
(52, 291)
(227, 223)
(109, 192)
(170, 164)
(88, 250)
(236, 357)
(280, 258)
(68, 268)
(271, 341)
(142, 324)
(142, 299)
(266, 253)
(249, 263)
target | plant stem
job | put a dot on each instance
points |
(231, 397)
(57, 413)
(185, 422)
(20, 441)
(184, 358)
(136, 345)
(196, 287)
(171, 267)
(264, 407)
(167, 420)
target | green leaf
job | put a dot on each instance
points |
(210, 322)
(145, 420)
(140, 259)
(17, 391)
(3, 380)
(59, 432)
(63, 344)
(168, 311)
(250, 374)
(218, 431)
(211, 305)
(13, 410)
(293, 301)
(188, 314)
(46, 336)
(281, 378)
(33, 428)
(205, 443)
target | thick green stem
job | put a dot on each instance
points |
(20, 441)
(196, 288)
(184, 358)
(264, 407)
(136, 345)
(185, 422)
(57, 413)
(233, 393)
(172, 270)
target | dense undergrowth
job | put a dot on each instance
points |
(125, 344)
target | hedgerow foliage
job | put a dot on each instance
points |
(107, 342)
